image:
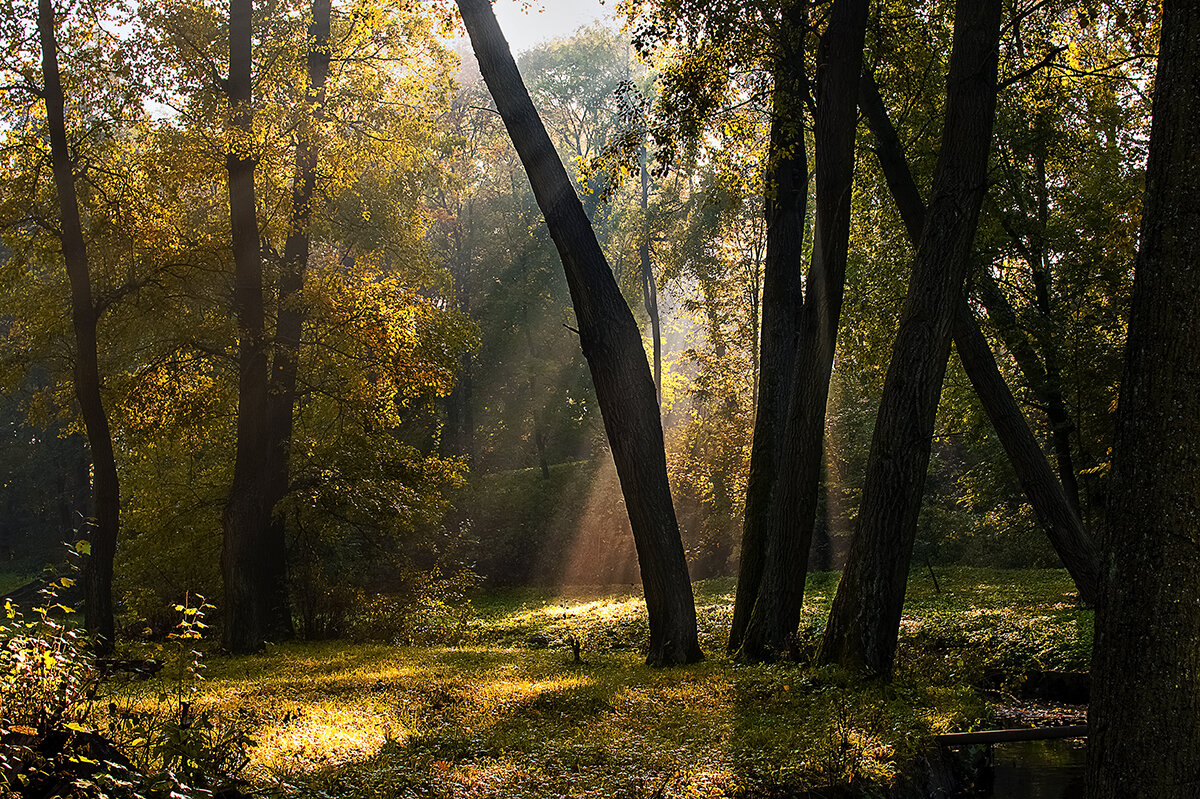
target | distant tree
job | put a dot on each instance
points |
(612, 344)
(1144, 716)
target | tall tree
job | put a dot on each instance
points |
(1144, 715)
(291, 313)
(612, 345)
(252, 560)
(785, 207)
(1046, 495)
(865, 618)
(98, 567)
(792, 512)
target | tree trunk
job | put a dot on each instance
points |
(649, 288)
(1144, 715)
(1074, 546)
(98, 566)
(793, 504)
(865, 618)
(291, 315)
(612, 345)
(785, 206)
(252, 570)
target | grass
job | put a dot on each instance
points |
(501, 710)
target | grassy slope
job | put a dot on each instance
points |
(505, 713)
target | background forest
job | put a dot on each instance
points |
(445, 426)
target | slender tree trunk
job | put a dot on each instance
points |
(1144, 715)
(793, 506)
(785, 206)
(649, 288)
(535, 404)
(291, 315)
(98, 566)
(612, 345)
(251, 569)
(1074, 546)
(865, 618)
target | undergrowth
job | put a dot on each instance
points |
(501, 708)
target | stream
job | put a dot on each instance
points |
(1036, 770)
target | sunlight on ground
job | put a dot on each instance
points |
(511, 715)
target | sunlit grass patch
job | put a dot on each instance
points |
(512, 715)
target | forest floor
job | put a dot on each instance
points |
(501, 709)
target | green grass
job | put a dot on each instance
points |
(504, 712)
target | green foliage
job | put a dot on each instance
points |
(60, 738)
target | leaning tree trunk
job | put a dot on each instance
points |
(611, 343)
(252, 570)
(1046, 495)
(865, 618)
(1144, 715)
(98, 565)
(794, 495)
(784, 206)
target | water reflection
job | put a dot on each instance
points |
(1035, 770)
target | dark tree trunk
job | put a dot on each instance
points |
(535, 403)
(612, 345)
(1144, 715)
(865, 618)
(785, 206)
(253, 571)
(98, 566)
(793, 504)
(1062, 524)
(291, 315)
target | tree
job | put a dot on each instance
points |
(254, 557)
(1144, 716)
(865, 618)
(792, 513)
(98, 567)
(612, 345)
(1046, 494)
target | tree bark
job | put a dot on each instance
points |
(98, 565)
(793, 504)
(252, 570)
(865, 618)
(1076, 549)
(292, 313)
(785, 205)
(1144, 716)
(611, 343)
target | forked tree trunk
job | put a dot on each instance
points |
(292, 311)
(865, 618)
(611, 343)
(1074, 546)
(98, 565)
(1144, 715)
(255, 594)
(793, 505)
(785, 206)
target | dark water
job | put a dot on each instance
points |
(1036, 770)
